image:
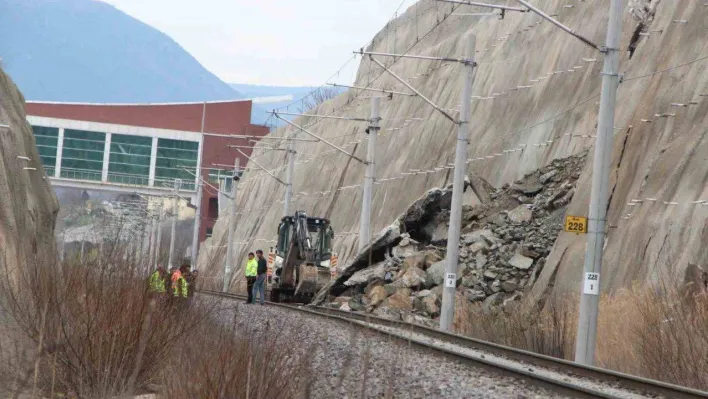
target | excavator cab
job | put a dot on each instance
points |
(303, 253)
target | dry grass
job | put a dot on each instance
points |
(230, 361)
(640, 332)
(92, 329)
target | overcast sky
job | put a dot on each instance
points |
(269, 42)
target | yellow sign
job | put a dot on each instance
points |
(576, 224)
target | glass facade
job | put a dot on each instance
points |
(221, 178)
(129, 158)
(47, 139)
(82, 155)
(173, 157)
(129, 161)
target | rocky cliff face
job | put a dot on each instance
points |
(535, 99)
(29, 206)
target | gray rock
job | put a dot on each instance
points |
(470, 280)
(406, 241)
(403, 252)
(439, 234)
(548, 176)
(509, 286)
(364, 276)
(423, 293)
(356, 304)
(500, 220)
(496, 286)
(491, 301)
(436, 272)
(479, 246)
(528, 188)
(484, 234)
(429, 305)
(415, 277)
(520, 214)
(490, 275)
(475, 295)
(345, 307)
(521, 262)
(464, 254)
(481, 261)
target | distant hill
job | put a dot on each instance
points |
(89, 51)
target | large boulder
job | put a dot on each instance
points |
(377, 249)
(415, 277)
(475, 295)
(436, 272)
(367, 275)
(429, 305)
(520, 262)
(484, 235)
(400, 300)
(377, 296)
(520, 214)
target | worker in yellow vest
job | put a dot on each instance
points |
(179, 285)
(251, 273)
(157, 281)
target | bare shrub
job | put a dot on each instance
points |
(641, 331)
(97, 331)
(317, 97)
(219, 360)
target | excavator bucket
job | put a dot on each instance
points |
(312, 279)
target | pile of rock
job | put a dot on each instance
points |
(503, 248)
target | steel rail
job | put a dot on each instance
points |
(611, 378)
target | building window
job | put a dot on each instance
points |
(82, 154)
(47, 139)
(176, 159)
(213, 209)
(129, 162)
(209, 232)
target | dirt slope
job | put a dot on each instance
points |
(28, 205)
(534, 100)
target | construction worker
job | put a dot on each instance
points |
(262, 271)
(179, 285)
(157, 281)
(251, 273)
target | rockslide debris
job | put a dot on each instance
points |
(503, 248)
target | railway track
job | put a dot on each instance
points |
(561, 376)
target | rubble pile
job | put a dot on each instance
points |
(503, 248)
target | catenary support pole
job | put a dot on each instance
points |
(139, 245)
(175, 211)
(365, 223)
(158, 242)
(589, 295)
(289, 186)
(228, 262)
(153, 239)
(63, 246)
(447, 313)
(197, 225)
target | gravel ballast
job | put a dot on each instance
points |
(341, 352)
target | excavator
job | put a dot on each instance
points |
(303, 257)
